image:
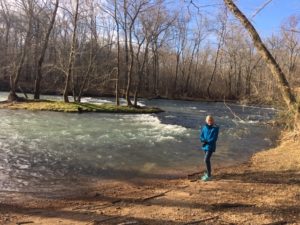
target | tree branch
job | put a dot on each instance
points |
(261, 8)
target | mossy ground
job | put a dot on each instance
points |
(73, 107)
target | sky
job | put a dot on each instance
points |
(267, 21)
(270, 19)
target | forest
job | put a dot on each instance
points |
(139, 48)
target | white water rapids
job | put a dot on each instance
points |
(39, 147)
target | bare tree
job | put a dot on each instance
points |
(143, 38)
(14, 79)
(140, 49)
(180, 44)
(291, 46)
(118, 53)
(131, 11)
(220, 36)
(43, 52)
(92, 54)
(72, 53)
(7, 19)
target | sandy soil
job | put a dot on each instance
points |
(264, 191)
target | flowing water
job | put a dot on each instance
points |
(38, 148)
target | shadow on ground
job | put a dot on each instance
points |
(289, 177)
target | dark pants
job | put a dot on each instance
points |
(207, 157)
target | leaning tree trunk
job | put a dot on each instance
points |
(42, 56)
(277, 72)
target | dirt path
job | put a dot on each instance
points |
(264, 191)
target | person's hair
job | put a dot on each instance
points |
(209, 117)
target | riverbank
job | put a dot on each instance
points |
(250, 101)
(73, 107)
(266, 190)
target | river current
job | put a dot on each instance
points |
(49, 147)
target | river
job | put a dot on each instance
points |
(52, 148)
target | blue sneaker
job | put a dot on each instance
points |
(205, 177)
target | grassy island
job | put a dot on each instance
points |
(74, 107)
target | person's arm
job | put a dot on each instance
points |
(202, 139)
(214, 135)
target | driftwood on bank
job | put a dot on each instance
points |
(96, 222)
(155, 196)
(24, 222)
(200, 221)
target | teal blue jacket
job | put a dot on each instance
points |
(209, 137)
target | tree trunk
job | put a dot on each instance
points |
(86, 77)
(176, 71)
(212, 76)
(249, 73)
(118, 56)
(92, 59)
(156, 68)
(141, 68)
(128, 29)
(6, 48)
(42, 56)
(15, 79)
(220, 44)
(129, 71)
(72, 55)
(277, 72)
(187, 83)
(6, 17)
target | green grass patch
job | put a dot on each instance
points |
(73, 107)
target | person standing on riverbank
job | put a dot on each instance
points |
(208, 138)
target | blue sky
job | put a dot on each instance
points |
(269, 20)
